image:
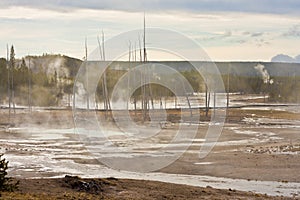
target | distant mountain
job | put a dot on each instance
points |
(285, 59)
(297, 58)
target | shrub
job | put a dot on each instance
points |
(6, 183)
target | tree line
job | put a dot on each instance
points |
(21, 85)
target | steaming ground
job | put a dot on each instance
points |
(259, 150)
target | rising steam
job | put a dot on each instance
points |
(264, 73)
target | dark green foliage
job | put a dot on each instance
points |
(195, 79)
(12, 60)
(73, 65)
(6, 183)
(3, 79)
(285, 89)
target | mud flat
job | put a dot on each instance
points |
(258, 151)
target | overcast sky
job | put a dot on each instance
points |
(242, 30)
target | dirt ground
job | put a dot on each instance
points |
(111, 188)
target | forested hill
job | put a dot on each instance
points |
(64, 66)
(50, 78)
(236, 68)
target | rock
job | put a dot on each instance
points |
(91, 186)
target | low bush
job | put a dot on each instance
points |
(6, 183)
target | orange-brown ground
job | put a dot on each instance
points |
(48, 189)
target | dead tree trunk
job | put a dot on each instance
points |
(29, 86)
(8, 84)
(207, 99)
(128, 79)
(228, 87)
(134, 78)
(87, 78)
(189, 104)
(106, 96)
(214, 104)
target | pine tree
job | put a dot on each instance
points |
(12, 63)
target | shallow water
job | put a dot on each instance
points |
(38, 166)
(52, 153)
(99, 171)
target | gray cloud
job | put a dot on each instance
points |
(257, 34)
(224, 35)
(294, 31)
(261, 42)
(246, 33)
(256, 6)
(241, 41)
